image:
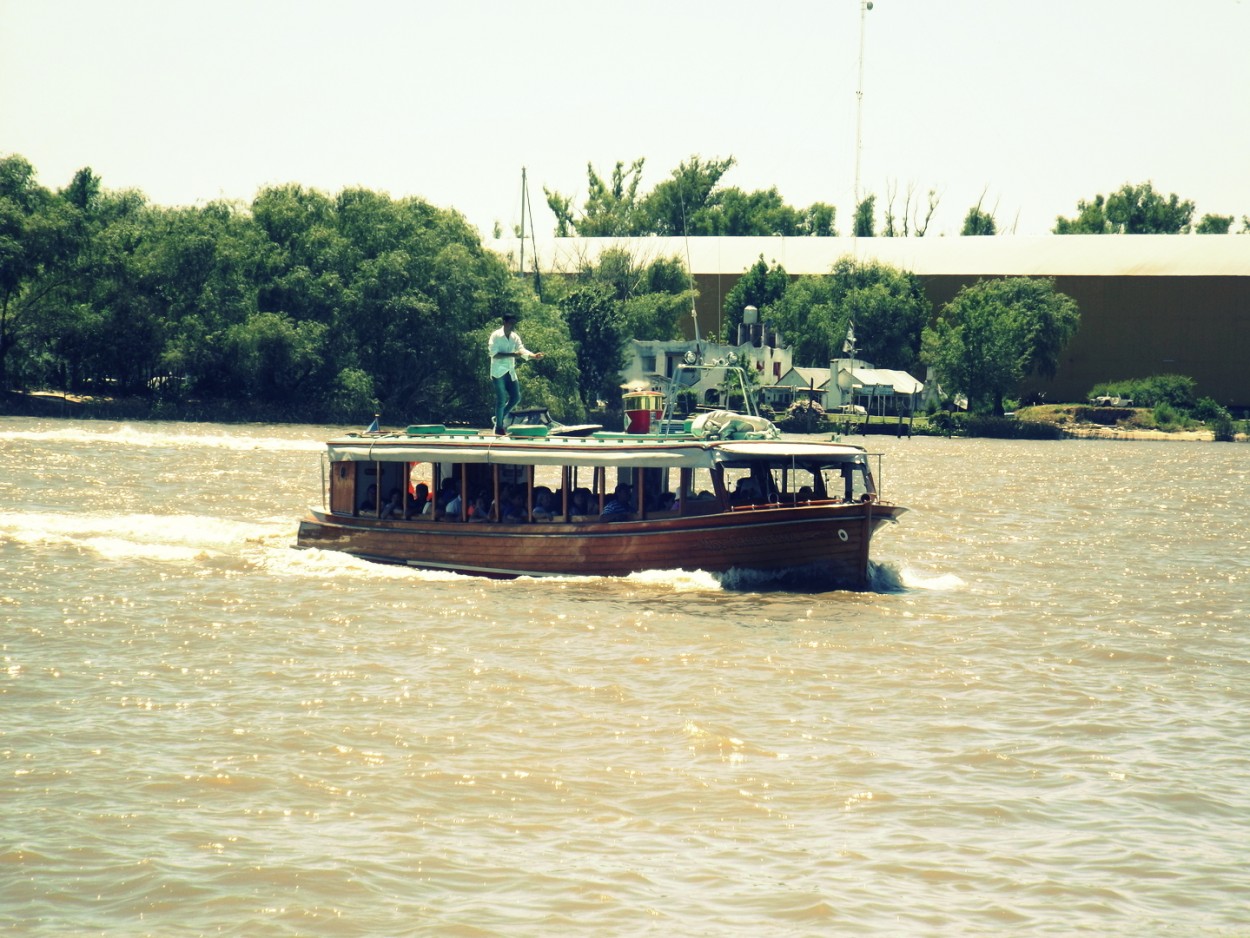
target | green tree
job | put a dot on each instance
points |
(405, 290)
(819, 221)
(611, 208)
(272, 357)
(762, 213)
(650, 297)
(760, 286)
(1131, 210)
(996, 332)
(598, 336)
(200, 269)
(40, 236)
(1214, 224)
(1091, 218)
(113, 329)
(978, 221)
(864, 214)
(687, 203)
(691, 202)
(888, 307)
(64, 253)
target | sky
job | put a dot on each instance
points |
(1028, 107)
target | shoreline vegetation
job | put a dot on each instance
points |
(305, 307)
(1053, 421)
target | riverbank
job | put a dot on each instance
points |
(1067, 420)
(1082, 421)
(64, 405)
(1092, 432)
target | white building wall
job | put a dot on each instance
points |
(653, 362)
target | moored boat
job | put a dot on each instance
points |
(725, 495)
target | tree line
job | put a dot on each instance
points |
(299, 305)
(307, 306)
(693, 202)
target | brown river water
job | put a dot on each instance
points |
(1037, 723)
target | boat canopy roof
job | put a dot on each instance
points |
(656, 452)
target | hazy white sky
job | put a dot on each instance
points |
(1039, 104)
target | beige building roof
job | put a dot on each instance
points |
(999, 255)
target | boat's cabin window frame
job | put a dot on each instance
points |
(555, 492)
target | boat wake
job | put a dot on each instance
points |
(121, 537)
(911, 579)
(680, 581)
(318, 564)
(177, 437)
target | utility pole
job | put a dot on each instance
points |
(864, 7)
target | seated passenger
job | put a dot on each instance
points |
(581, 501)
(745, 493)
(619, 505)
(452, 511)
(420, 498)
(511, 506)
(449, 490)
(480, 509)
(544, 505)
(394, 506)
(805, 494)
(370, 501)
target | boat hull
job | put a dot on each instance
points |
(825, 543)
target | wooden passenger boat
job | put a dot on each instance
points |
(726, 494)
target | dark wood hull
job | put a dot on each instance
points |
(825, 543)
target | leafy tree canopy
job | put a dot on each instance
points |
(978, 221)
(303, 302)
(994, 333)
(887, 306)
(1214, 224)
(1131, 210)
(691, 202)
(761, 286)
(864, 212)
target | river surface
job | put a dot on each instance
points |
(1037, 723)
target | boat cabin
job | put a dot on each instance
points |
(430, 476)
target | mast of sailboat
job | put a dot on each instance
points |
(694, 313)
(525, 206)
(524, 198)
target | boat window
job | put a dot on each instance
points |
(848, 481)
(754, 482)
(763, 482)
(802, 482)
(419, 490)
(701, 487)
(366, 501)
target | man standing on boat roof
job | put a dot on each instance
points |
(505, 347)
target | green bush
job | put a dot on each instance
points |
(1009, 428)
(353, 396)
(947, 422)
(1176, 390)
(1165, 416)
(1224, 427)
(1208, 411)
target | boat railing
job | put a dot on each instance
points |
(687, 373)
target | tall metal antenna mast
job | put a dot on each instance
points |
(864, 7)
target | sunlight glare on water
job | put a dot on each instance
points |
(1034, 722)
